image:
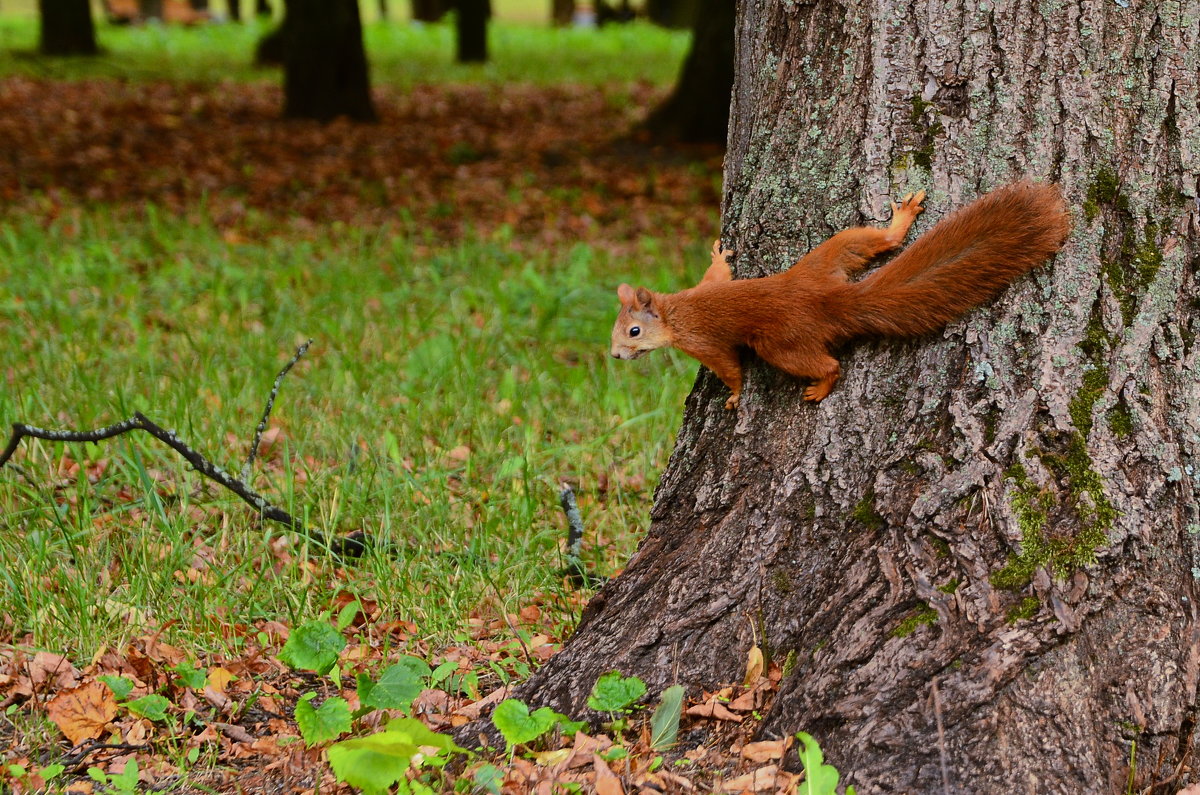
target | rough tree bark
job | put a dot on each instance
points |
(697, 110)
(324, 63)
(66, 28)
(1007, 511)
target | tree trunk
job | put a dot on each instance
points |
(562, 12)
(429, 10)
(470, 24)
(150, 9)
(1000, 520)
(67, 28)
(325, 66)
(676, 14)
(698, 109)
(235, 10)
(262, 8)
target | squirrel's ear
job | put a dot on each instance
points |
(643, 298)
(626, 295)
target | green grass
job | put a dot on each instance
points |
(420, 350)
(400, 54)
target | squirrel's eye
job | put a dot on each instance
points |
(635, 330)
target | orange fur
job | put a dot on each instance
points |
(794, 319)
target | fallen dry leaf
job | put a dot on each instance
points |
(607, 782)
(761, 780)
(766, 750)
(713, 709)
(82, 712)
(745, 702)
(754, 666)
(473, 710)
(52, 670)
(585, 748)
(219, 678)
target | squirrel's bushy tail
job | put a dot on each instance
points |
(962, 262)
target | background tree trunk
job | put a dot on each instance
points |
(562, 12)
(1006, 511)
(150, 9)
(429, 10)
(67, 28)
(698, 109)
(470, 23)
(325, 66)
(677, 14)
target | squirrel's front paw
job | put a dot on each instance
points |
(910, 204)
(720, 255)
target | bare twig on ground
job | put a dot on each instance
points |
(351, 545)
(574, 569)
(262, 424)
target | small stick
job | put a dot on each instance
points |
(139, 421)
(574, 568)
(352, 545)
(566, 498)
(262, 424)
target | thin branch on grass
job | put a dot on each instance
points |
(75, 759)
(352, 545)
(574, 569)
(262, 424)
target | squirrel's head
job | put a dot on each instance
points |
(639, 328)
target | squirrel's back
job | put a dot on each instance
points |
(964, 261)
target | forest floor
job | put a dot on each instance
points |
(164, 246)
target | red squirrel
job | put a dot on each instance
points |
(793, 320)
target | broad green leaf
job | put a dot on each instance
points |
(374, 763)
(569, 727)
(819, 778)
(398, 686)
(191, 677)
(664, 724)
(50, 771)
(442, 671)
(324, 723)
(314, 646)
(120, 686)
(152, 706)
(614, 692)
(127, 779)
(420, 734)
(17, 771)
(346, 614)
(489, 778)
(97, 775)
(513, 719)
